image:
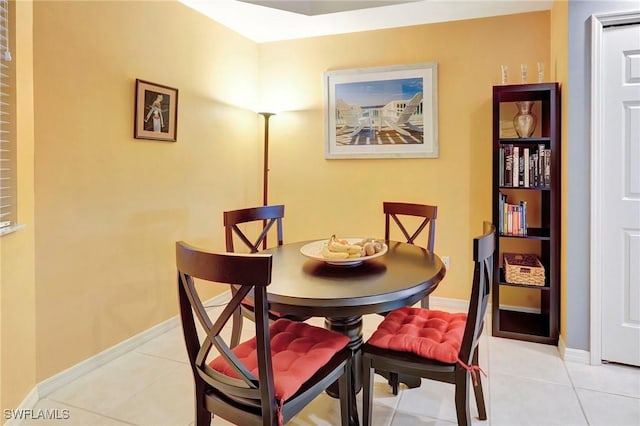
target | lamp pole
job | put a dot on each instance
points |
(265, 169)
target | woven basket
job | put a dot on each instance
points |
(523, 268)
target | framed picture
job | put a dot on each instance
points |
(382, 112)
(156, 113)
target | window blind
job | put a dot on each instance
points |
(8, 184)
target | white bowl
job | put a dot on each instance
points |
(314, 251)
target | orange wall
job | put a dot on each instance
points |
(110, 207)
(559, 54)
(17, 266)
(345, 196)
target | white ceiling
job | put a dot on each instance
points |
(311, 18)
(321, 7)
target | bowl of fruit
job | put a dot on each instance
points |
(344, 251)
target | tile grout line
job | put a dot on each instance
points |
(160, 357)
(89, 411)
(537, 380)
(575, 392)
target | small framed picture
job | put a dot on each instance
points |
(156, 112)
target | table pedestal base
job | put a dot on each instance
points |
(352, 328)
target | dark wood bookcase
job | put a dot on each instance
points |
(542, 219)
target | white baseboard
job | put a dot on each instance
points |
(517, 309)
(460, 305)
(451, 305)
(573, 355)
(65, 377)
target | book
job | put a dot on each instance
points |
(541, 149)
(503, 209)
(523, 218)
(501, 167)
(531, 170)
(526, 166)
(547, 167)
(521, 169)
(503, 217)
(508, 165)
(516, 167)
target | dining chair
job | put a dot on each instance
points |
(421, 219)
(400, 214)
(434, 344)
(269, 378)
(238, 225)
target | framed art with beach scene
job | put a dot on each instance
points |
(382, 112)
(156, 112)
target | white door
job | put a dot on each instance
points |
(621, 195)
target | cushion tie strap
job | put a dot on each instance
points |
(473, 369)
(279, 410)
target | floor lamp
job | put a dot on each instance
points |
(265, 169)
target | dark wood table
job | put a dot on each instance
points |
(342, 294)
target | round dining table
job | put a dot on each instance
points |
(308, 287)
(303, 286)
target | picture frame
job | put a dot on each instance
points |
(382, 112)
(156, 112)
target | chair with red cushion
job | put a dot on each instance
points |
(433, 344)
(402, 214)
(240, 223)
(419, 217)
(265, 380)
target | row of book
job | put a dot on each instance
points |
(512, 217)
(525, 167)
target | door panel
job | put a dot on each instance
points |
(621, 201)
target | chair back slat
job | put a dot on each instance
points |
(269, 215)
(483, 251)
(248, 273)
(394, 211)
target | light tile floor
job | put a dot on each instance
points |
(527, 384)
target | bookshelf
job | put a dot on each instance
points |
(526, 212)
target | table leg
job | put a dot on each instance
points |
(352, 328)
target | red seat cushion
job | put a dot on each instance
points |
(298, 350)
(427, 333)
